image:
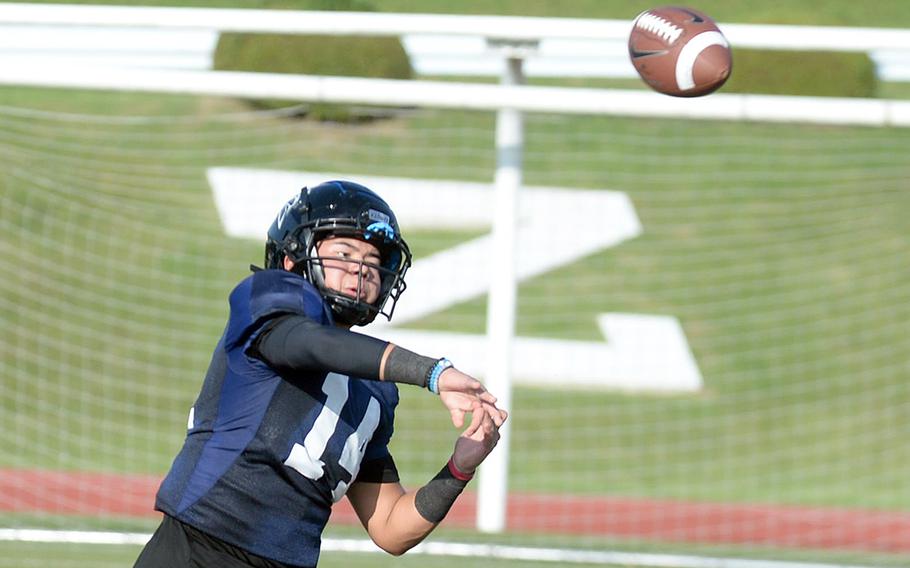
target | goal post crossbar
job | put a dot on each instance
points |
(472, 96)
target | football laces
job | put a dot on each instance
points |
(658, 26)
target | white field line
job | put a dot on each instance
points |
(463, 550)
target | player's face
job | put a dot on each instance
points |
(350, 267)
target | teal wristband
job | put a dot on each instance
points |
(433, 379)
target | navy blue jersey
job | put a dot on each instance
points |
(266, 455)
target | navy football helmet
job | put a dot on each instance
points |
(340, 209)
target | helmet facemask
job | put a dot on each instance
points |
(302, 248)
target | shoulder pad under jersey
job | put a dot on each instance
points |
(268, 293)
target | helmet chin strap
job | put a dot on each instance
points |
(346, 311)
(349, 315)
(350, 311)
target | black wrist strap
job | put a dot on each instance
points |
(434, 499)
(403, 366)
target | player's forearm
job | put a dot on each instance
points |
(297, 343)
(415, 515)
(404, 529)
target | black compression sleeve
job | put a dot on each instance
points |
(405, 366)
(297, 343)
(434, 499)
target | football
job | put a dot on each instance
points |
(679, 51)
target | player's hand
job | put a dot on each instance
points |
(462, 393)
(477, 441)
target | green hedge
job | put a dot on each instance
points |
(376, 57)
(808, 73)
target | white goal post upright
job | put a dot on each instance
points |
(493, 482)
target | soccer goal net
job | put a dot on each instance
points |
(711, 350)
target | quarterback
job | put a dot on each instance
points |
(296, 411)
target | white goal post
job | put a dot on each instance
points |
(524, 30)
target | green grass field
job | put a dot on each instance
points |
(781, 248)
(35, 555)
(777, 246)
(756, 256)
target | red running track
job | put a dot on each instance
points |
(98, 494)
